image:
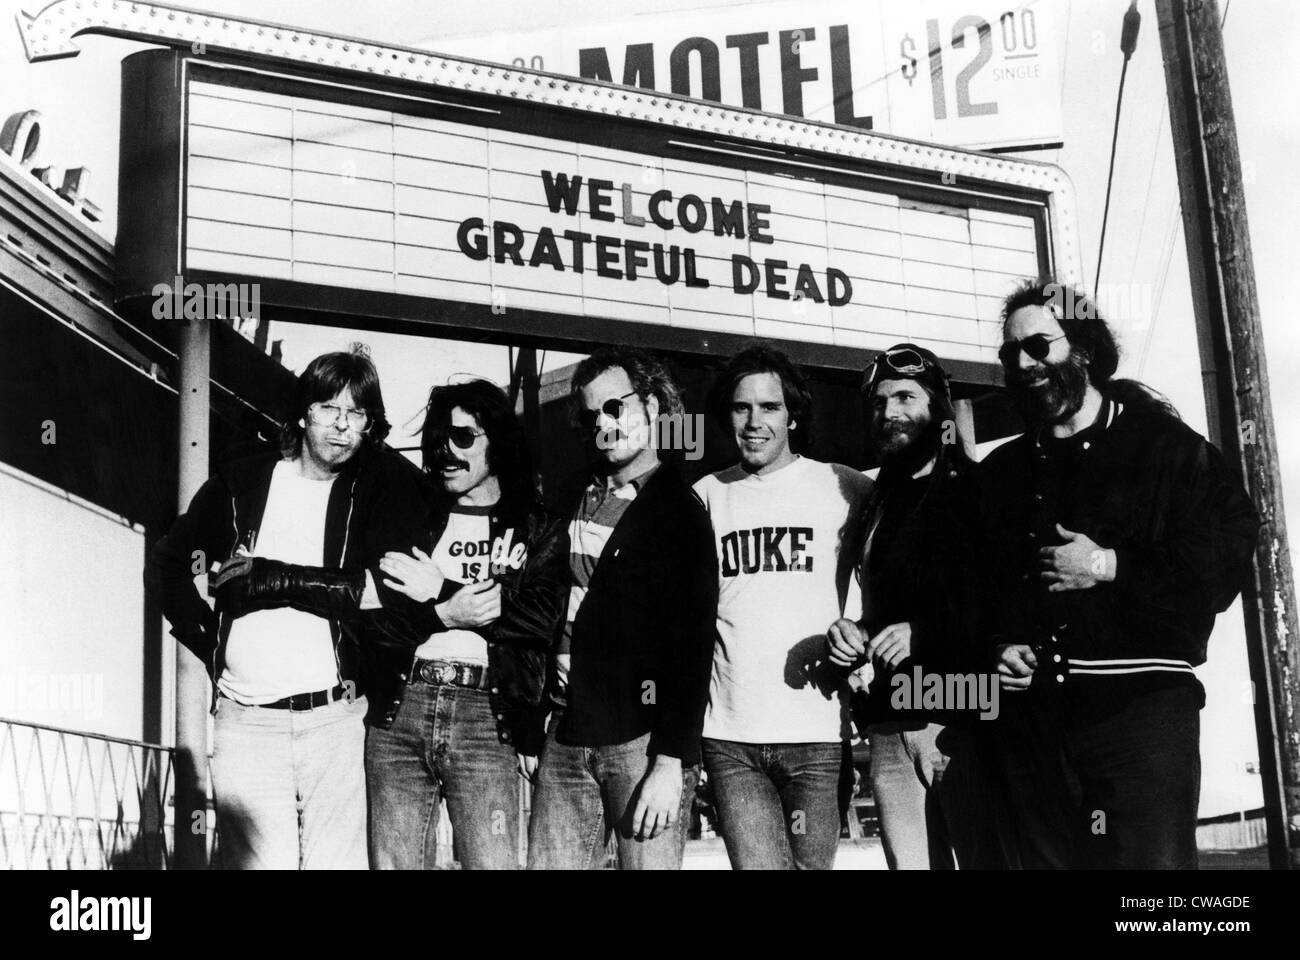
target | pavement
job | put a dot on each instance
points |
(868, 854)
(711, 854)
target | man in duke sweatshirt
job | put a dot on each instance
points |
(776, 735)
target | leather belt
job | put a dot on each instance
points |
(448, 672)
(307, 701)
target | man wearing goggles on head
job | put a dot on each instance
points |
(921, 595)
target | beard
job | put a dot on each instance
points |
(1057, 400)
(895, 437)
(905, 447)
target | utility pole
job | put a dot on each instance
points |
(1235, 380)
(193, 689)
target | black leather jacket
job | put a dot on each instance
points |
(377, 505)
(534, 600)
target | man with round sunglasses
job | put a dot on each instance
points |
(301, 532)
(776, 735)
(457, 717)
(1117, 534)
(631, 674)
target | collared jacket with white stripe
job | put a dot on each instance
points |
(1143, 483)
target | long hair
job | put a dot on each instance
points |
(1086, 330)
(941, 441)
(323, 379)
(509, 458)
(765, 359)
(648, 375)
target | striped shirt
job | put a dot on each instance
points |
(599, 513)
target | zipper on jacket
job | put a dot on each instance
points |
(347, 532)
(216, 646)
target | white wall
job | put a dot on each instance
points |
(71, 611)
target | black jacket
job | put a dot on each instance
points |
(534, 600)
(642, 644)
(1182, 527)
(925, 568)
(376, 505)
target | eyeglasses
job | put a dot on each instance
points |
(464, 437)
(1038, 346)
(327, 414)
(612, 408)
(904, 360)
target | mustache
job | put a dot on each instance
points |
(447, 459)
(1038, 371)
(1062, 395)
(917, 434)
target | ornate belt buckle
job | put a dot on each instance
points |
(446, 673)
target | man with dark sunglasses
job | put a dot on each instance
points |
(456, 720)
(631, 674)
(1117, 534)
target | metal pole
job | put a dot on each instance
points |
(1236, 384)
(525, 387)
(193, 689)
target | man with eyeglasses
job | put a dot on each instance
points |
(631, 674)
(776, 735)
(1117, 534)
(457, 719)
(287, 763)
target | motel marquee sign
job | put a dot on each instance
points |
(392, 188)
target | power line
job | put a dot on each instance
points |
(1167, 256)
(1127, 44)
(1146, 203)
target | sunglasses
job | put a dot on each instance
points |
(904, 360)
(463, 437)
(1038, 346)
(612, 408)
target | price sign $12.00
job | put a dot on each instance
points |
(1017, 37)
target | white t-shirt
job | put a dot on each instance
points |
(273, 654)
(464, 554)
(784, 578)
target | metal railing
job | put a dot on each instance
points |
(83, 801)
(72, 800)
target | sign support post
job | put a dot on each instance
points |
(193, 688)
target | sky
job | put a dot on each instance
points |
(1145, 258)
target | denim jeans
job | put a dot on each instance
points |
(906, 773)
(937, 797)
(1111, 786)
(780, 806)
(442, 746)
(584, 794)
(289, 785)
